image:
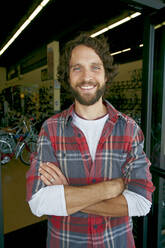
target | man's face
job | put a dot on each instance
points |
(87, 75)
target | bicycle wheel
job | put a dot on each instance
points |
(27, 149)
(6, 144)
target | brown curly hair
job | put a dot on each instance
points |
(100, 46)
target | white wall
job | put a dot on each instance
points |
(28, 79)
(125, 70)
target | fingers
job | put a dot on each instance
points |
(49, 178)
(46, 181)
(58, 173)
(54, 168)
(51, 174)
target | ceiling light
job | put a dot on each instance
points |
(35, 12)
(115, 53)
(126, 19)
(44, 2)
(159, 25)
(24, 25)
(119, 23)
(122, 51)
(135, 14)
(99, 32)
(126, 50)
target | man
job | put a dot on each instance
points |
(90, 174)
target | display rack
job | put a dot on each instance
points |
(125, 96)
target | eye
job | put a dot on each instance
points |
(96, 68)
(77, 68)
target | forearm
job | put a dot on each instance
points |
(79, 198)
(114, 207)
(127, 204)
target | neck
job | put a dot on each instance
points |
(91, 112)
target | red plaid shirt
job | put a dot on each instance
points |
(119, 154)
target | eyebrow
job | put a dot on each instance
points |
(97, 63)
(94, 63)
(71, 66)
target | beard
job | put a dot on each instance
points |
(88, 99)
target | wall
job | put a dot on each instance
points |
(128, 69)
(2, 76)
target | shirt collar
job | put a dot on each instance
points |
(110, 109)
(69, 114)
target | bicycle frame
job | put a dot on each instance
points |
(16, 142)
(18, 146)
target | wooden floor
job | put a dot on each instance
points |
(17, 214)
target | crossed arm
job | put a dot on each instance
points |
(104, 198)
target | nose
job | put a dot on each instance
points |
(87, 77)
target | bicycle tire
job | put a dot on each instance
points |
(5, 147)
(6, 143)
(26, 151)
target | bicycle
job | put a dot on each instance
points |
(19, 141)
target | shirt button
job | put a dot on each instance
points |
(95, 226)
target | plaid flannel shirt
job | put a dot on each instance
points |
(119, 154)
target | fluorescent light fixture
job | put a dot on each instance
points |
(115, 53)
(135, 14)
(159, 25)
(99, 32)
(126, 50)
(126, 19)
(24, 25)
(119, 23)
(35, 12)
(44, 2)
(122, 51)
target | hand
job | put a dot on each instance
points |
(51, 174)
(117, 186)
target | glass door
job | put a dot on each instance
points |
(158, 139)
(153, 125)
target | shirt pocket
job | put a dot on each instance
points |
(112, 165)
(72, 166)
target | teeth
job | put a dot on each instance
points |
(87, 87)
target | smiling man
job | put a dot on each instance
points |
(87, 76)
(90, 174)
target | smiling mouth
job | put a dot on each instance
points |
(87, 87)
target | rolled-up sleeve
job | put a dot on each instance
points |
(49, 200)
(136, 168)
(45, 153)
